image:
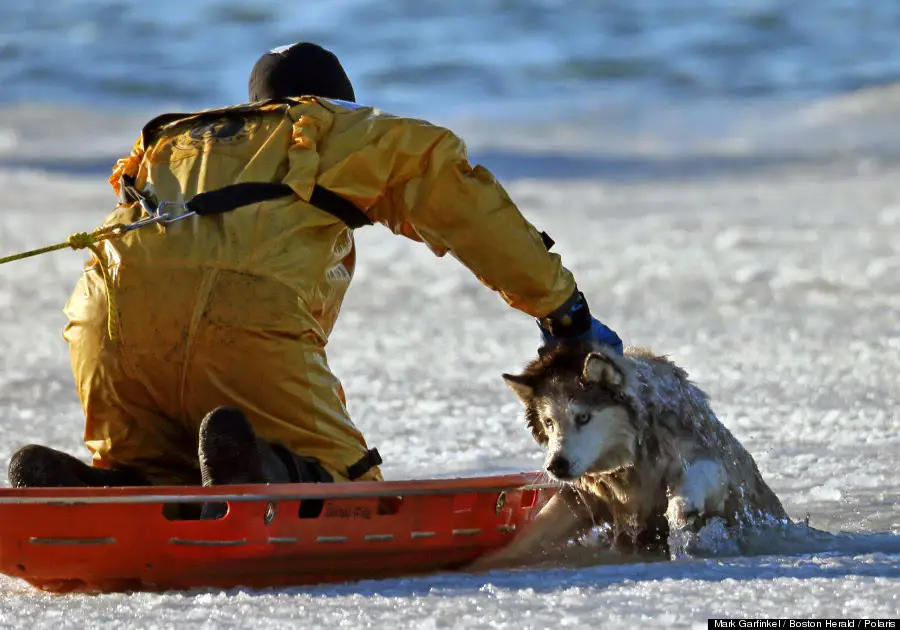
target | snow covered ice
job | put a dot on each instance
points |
(777, 287)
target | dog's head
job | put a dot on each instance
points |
(577, 406)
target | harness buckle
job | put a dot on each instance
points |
(368, 461)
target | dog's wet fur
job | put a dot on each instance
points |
(634, 439)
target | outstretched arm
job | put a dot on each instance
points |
(415, 178)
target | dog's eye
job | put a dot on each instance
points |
(582, 419)
(548, 422)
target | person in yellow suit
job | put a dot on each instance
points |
(212, 367)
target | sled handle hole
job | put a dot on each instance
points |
(529, 498)
(388, 506)
(193, 511)
(310, 508)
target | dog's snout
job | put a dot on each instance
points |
(559, 466)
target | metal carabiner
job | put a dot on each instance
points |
(156, 216)
(170, 218)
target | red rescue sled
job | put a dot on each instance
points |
(127, 539)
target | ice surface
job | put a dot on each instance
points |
(777, 289)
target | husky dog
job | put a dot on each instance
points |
(635, 441)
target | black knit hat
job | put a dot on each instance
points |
(302, 69)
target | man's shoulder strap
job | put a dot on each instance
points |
(234, 196)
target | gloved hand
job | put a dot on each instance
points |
(572, 322)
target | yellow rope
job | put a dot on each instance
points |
(89, 240)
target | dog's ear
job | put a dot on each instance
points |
(522, 385)
(601, 370)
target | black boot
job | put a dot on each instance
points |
(228, 454)
(36, 466)
(228, 451)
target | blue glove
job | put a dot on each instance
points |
(572, 323)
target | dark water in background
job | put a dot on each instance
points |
(426, 54)
(561, 77)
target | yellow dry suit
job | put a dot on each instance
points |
(236, 308)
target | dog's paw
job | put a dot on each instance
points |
(685, 522)
(700, 492)
(684, 514)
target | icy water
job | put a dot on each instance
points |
(429, 55)
(718, 189)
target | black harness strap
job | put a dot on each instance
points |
(234, 196)
(338, 206)
(371, 459)
(231, 197)
(548, 242)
